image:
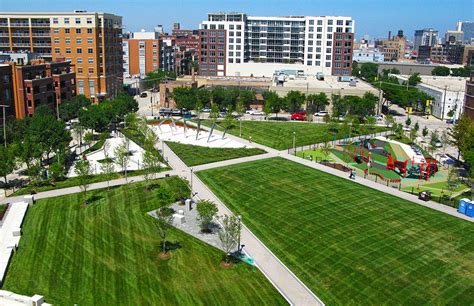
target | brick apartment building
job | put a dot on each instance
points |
(6, 92)
(41, 84)
(141, 53)
(91, 41)
(212, 52)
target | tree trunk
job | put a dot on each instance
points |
(6, 184)
(164, 246)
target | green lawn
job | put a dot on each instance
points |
(74, 181)
(197, 155)
(279, 135)
(348, 243)
(317, 154)
(107, 254)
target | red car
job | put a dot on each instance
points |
(300, 116)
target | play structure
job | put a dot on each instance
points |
(378, 159)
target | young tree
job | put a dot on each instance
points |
(214, 111)
(198, 109)
(7, 164)
(122, 156)
(229, 118)
(229, 234)
(412, 134)
(207, 210)
(453, 179)
(416, 127)
(389, 120)
(107, 166)
(240, 109)
(56, 171)
(408, 121)
(164, 221)
(316, 102)
(425, 131)
(371, 122)
(414, 79)
(83, 171)
(88, 139)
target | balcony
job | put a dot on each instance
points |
(41, 34)
(19, 24)
(5, 34)
(3, 24)
(40, 24)
(42, 44)
(3, 44)
(21, 44)
(19, 34)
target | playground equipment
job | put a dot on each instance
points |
(212, 130)
(363, 155)
(393, 163)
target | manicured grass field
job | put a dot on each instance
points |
(74, 181)
(317, 154)
(348, 243)
(107, 254)
(279, 135)
(197, 155)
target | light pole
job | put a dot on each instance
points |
(294, 143)
(57, 105)
(4, 124)
(239, 218)
(151, 104)
(191, 182)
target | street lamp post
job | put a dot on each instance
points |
(294, 142)
(151, 104)
(4, 124)
(239, 218)
(191, 182)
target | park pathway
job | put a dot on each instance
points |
(293, 289)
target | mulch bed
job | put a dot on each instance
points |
(336, 166)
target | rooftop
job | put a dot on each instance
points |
(441, 82)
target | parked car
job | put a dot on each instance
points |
(143, 95)
(452, 121)
(176, 112)
(322, 113)
(299, 116)
(164, 111)
(206, 110)
(438, 144)
(257, 113)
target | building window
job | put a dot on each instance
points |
(78, 31)
(329, 36)
(68, 50)
(89, 31)
(311, 29)
(55, 20)
(79, 50)
(57, 50)
(56, 31)
(309, 63)
(311, 22)
(237, 60)
(221, 27)
(91, 70)
(67, 31)
(328, 64)
(78, 20)
(68, 40)
(319, 29)
(90, 40)
(89, 20)
(80, 85)
(79, 60)
(66, 20)
(90, 50)
(330, 22)
(56, 40)
(79, 70)
(91, 60)
(78, 40)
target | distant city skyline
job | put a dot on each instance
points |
(373, 17)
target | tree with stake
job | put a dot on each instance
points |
(207, 210)
(83, 171)
(416, 127)
(408, 121)
(389, 120)
(425, 131)
(88, 139)
(107, 165)
(122, 156)
(164, 221)
(228, 235)
(240, 109)
(371, 122)
(214, 111)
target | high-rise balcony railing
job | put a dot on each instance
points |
(20, 34)
(42, 44)
(41, 34)
(19, 24)
(40, 24)
(3, 44)
(4, 34)
(21, 44)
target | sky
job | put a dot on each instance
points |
(373, 17)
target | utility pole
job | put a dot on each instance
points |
(380, 98)
(294, 142)
(444, 101)
(4, 125)
(151, 104)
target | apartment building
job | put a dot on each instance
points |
(141, 53)
(25, 87)
(425, 37)
(394, 48)
(91, 41)
(258, 46)
(469, 97)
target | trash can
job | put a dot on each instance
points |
(463, 205)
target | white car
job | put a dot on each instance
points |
(321, 113)
(254, 112)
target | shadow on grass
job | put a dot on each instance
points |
(94, 199)
(172, 245)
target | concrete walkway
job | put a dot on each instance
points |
(77, 189)
(294, 290)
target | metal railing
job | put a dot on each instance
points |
(44, 34)
(20, 34)
(19, 24)
(21, 44)
(36, 44)
(40, 24)
(3, 34)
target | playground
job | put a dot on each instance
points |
(391, 162)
